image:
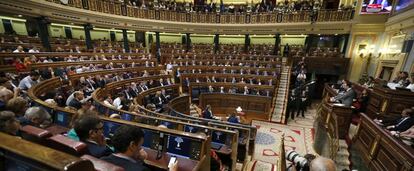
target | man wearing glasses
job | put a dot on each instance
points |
(90, 131)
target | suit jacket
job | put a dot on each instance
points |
(346, 98)
(207, 114)
(125, 163)
(403, 124)
(97, 150)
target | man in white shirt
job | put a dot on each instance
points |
(19, 49)
(29, 80)
(34, 50)
(118, 101)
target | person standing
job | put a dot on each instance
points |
(302, 103)
(292, 103)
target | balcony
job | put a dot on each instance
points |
(122, 9)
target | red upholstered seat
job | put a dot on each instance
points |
(34, 134)
(101, 165)
(67, 145)
(57, 129)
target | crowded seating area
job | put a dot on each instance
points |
(218, 12)
(224, 85)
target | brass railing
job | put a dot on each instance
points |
(119, 8)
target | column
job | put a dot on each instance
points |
(125, 37)
(345, 45)
(308, 42)
(188, 42)
(88, 40)
(216, 42)
(336, 41)
(277, 44)
(42, 24)
(157, 46)
(246, 42)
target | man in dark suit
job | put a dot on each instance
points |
(127, 141)
(90, 131)
(402, 124)
(347, 97)
(292, 103)
(207, 113)
(157, 100)
(76, 101)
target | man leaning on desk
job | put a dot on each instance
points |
(346, 98)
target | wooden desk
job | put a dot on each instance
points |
(343, 114)
(255, 107)
(388, 102)
(183, 163)
(381, 151)
(325, 65)
(29, 155)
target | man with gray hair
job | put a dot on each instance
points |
(35, 116)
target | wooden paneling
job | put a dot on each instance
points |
(380, 150)
(253, 106)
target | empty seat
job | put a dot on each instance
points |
(34, 134)
(101, 165)
(67, 145)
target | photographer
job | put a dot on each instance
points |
(309, 162)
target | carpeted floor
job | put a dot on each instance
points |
(267, 142)
(298, 136)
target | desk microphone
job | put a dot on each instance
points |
(160, 146)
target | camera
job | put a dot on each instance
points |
(300, 162)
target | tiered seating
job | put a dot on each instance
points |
(120, 71)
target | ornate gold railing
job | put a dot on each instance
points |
(119, 8)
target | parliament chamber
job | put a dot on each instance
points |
(229, 85)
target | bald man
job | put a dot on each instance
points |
(322, 164)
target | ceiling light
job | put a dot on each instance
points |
(20, 15)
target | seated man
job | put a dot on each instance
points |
(29, 80)
(402, 124)
(76, 102)
(347, 97)
(90, 131)
(35, 116)
(127, 141)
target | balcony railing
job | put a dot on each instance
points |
(119, 8)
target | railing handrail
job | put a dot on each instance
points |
(121, 8)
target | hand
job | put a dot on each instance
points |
(174, 167)
(142, 155)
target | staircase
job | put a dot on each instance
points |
(279, 102)
(342, 157)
